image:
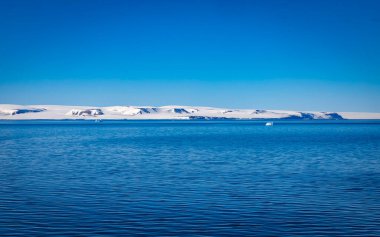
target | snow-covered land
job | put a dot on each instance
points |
(20, 112)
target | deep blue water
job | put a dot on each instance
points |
(167, 178)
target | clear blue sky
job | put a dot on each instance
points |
(302, 55)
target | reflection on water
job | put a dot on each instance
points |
(178, 178)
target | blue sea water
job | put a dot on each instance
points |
(183, 178)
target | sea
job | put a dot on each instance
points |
(190, 178)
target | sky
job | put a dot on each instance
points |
(316, 55)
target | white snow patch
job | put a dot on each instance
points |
(17, 109)
(85, 112)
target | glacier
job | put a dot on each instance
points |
(25, 112)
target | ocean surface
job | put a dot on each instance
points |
(186, 178)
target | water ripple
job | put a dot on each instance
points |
(175, 179)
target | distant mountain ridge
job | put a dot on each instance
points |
(24, 112)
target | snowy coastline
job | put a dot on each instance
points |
(25, 112)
